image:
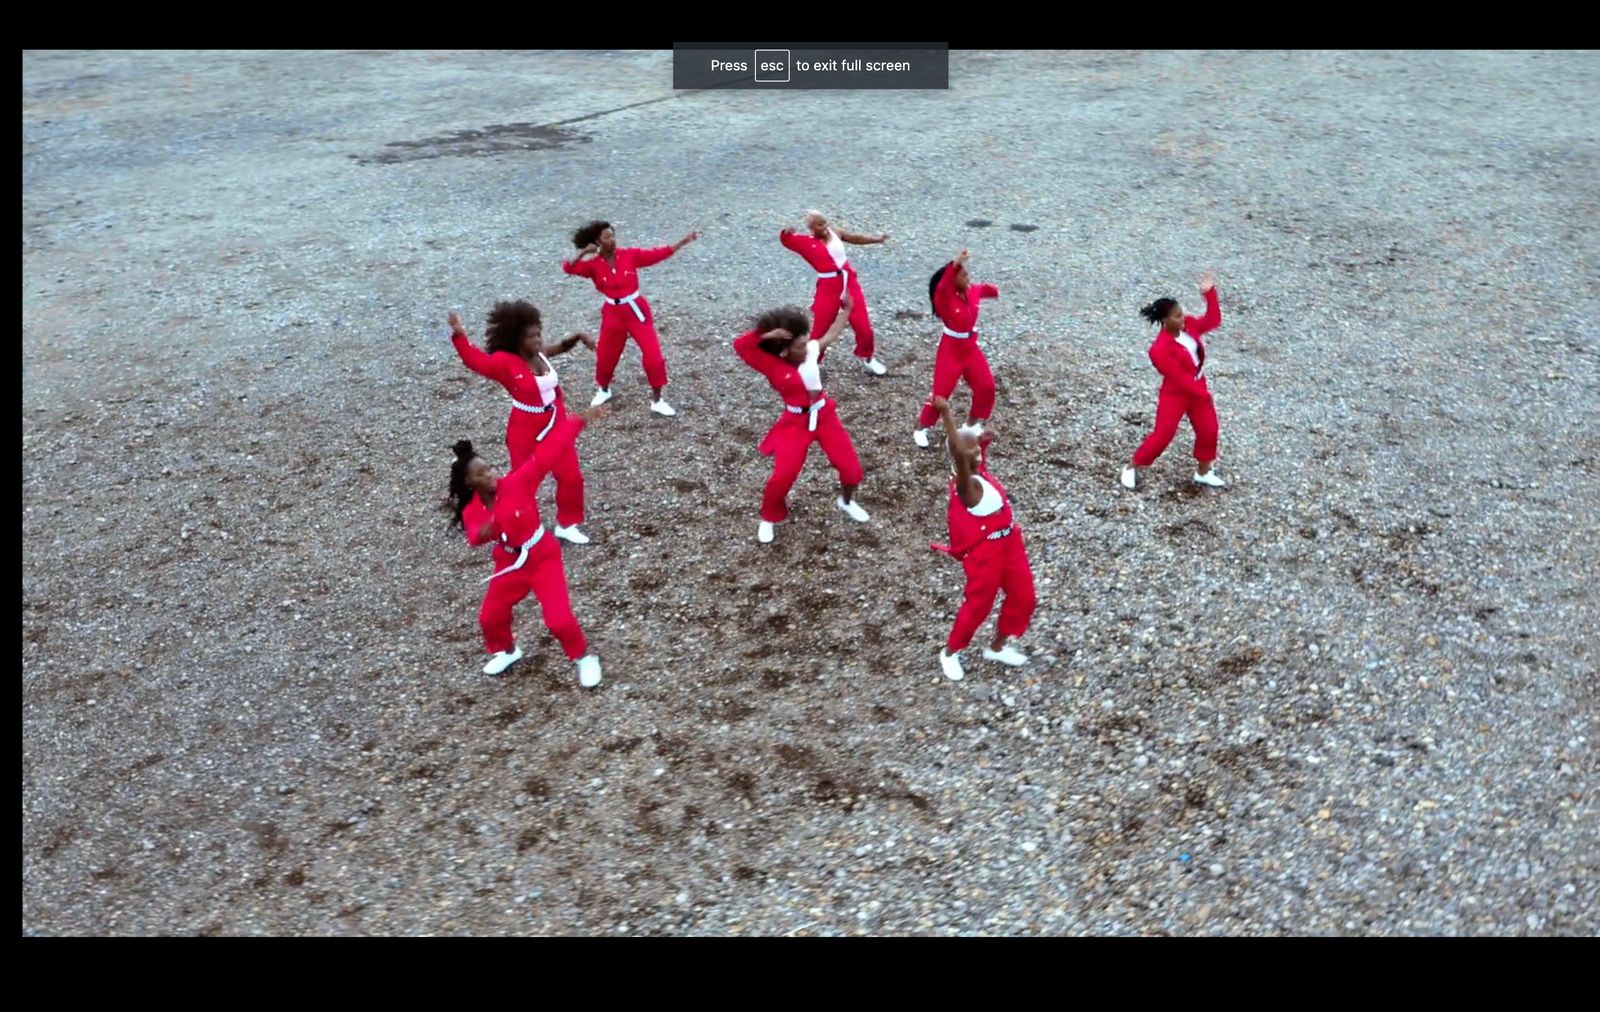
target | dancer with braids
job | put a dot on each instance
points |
(823, 248)
(516, 359)
(505, 511)
(626, 313)
(777, 348)
(1179, 355)
(986, 539)
(955, 301)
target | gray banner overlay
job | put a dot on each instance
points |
(808, 66)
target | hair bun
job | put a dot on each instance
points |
(463, 449)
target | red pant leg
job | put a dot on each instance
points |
(1170, 408)
(1017, 582)
(655, 365)
(824, 306)
(522, 435)
(494, 617)
(836, 444)
(1203, 417)
(984, 567)
(608, 351)
(947, 369)
(569, 488)
(790, 444)
(860, 321)
(547, 578)
(981, 382)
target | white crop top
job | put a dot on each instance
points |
(991, 501)
(836, 248)
(548, 383)
(810, 372)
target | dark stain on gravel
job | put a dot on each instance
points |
(483, 143)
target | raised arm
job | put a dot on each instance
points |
(582, 265)
(840, 319)
(748, 347)
(987, 291)
(1198, 325)
(561, 438)
(794, 241)
(653, 256)
(474, 357)
(968, 490)
(945, 293)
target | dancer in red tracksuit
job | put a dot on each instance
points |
(516, 360)
(626, 313)
(1179, 355)
(823, 249)
(955, 300)
(988, 541)
(505, 510)
(777, 348)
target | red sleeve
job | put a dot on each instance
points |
(476, 359)
(1175, 364)
(533, 470)
(1197, 325)
(988, 292)
(748, 347)
(581, 268)
(793, 241)
(945, 294)
(650, 257)
(473, 518)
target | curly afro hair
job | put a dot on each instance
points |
(589, 233)
(508, 321)
(790, 318)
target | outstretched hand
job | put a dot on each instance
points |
(455, 325)
(594, 414)
(941, 405)
(1208, 281)
(691, 237)
(585, 340)
(845, 303)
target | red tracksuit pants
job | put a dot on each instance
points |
(825, 306)
(1170, 409)
(617, 324)
(960, 357)
(522, 438)
(544, 576)
(788, 444)
(991, 567)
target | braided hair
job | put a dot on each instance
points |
(460, 492)
(508, 321)
(1157, 311)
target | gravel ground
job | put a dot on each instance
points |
(1353, 693)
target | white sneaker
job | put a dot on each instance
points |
(600, 397)
(920, 437)
(663, 408)
(764, 533)
(502, 660)
(572, 534)
(951, 663)
(1007, 655)
(853, 510)
(1130, 478)
(1210, 478)
(873, 366)
(589, 671)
